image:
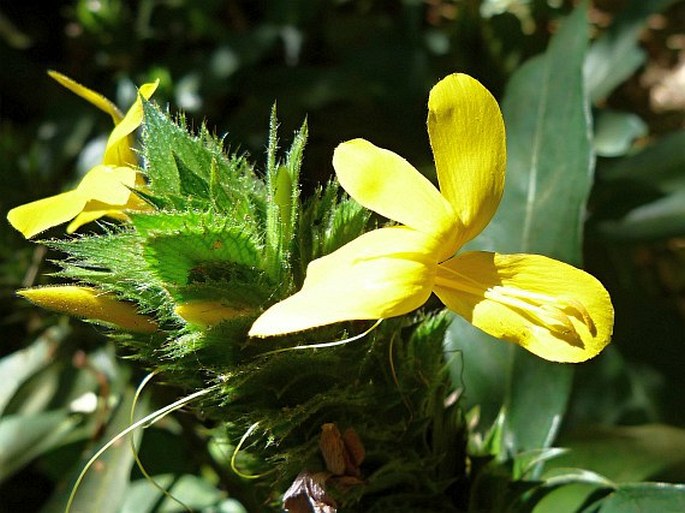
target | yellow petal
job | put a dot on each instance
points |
(467, 136)
(36, 217)
(381, 274)
(106, 184)
(108, 193)
(89, 303)
(118, 149)
(207, 313)
(387, 184)
(90, 96)
(550, 308)
(95, 210)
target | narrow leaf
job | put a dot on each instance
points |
(25, 437)
(19, 366)
(616, 54)
(628, 453)
(105, 485)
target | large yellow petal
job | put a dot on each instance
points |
(36, 217)
(387, 184)
(466, 132)
(118, 150)
(550, 308)
(381, 274)
(90, 96)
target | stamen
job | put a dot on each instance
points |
(551, 312)
(543, 310)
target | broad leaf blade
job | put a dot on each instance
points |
(549, 175)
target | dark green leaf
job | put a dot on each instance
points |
(627, 454)
(191, 184)
(643, 498)
(658, 219)
(659, 165)
(649, 188)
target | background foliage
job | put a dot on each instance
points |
(362, 68)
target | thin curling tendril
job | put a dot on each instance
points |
(323, 345)
(144, 422)
(134, 449)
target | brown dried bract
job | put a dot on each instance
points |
(308, 494)
(343, 453)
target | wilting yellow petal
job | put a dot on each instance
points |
(90, 96)
(387, 184)
(89, 303)
(381, 274)
(467, 136)
(102, 191)
(118, 149)
(111, 185)
(550, 308)
(107, 191)
(95, 210)
(36, 217)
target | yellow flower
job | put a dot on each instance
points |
(552, 309)
(105, 190)
(92, 304)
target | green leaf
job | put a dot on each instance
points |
(549, 176)
(24, 437)
(192, 185)
(627, 454)
(283, 201)
(616, 54)
(566, 490)
(195, 492)
(104, 487)
(659, 219)
(201, 256)
(565, 499)
(19, 366)
(659, 165)
(648, 191)
(113, 262)
(179, 164)
(643, 498)
(621, 454)
(615, 132)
